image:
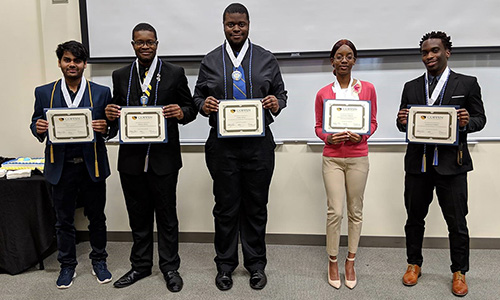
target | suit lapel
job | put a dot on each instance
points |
(151, 100)
(58, 100)
(420, 91)
(85, 100)
(450, 88)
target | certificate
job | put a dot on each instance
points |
(142, 125)
(238, 118)
(346, 115)
(432, 124)
(70, 125)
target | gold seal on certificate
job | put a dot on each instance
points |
(70, 125)
(237, 118)
(142, 125)
(432, 124)
(346, 115)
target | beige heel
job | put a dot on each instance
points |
(335, 283)
(351, 283)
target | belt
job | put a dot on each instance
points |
(75, 160)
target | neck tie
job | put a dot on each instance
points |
(432, 85)
(239, 86)
(148, 91)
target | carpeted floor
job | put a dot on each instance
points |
(294, 272)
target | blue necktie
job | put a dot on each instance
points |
(239, 86)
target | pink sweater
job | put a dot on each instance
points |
(345, 149)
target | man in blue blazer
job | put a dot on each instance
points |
(443, 167)
(76, 170)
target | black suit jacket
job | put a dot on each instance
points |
(164, 158)
(461, 90)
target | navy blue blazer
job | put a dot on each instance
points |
(101, 96)
(461, 90)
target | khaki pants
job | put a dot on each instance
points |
(345, 179)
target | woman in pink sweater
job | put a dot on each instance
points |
(345, 161)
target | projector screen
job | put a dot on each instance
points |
(194, 27)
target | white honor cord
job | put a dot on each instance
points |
(149, 77)
(337, 90)
(79, 95)
(237, 60)
(439, 86)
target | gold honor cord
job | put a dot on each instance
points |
(51, 101)
(95, 142)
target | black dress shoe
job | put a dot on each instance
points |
(223, 281)
(130, 278)
(258, 279)
(174, 281)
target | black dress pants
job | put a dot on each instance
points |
(145, 195)
(241, 169)
(451, 192)
(76, 184)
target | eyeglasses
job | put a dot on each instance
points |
(341, 58)
(140, 43)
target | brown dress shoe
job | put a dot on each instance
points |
(411, 276)
(459, 287)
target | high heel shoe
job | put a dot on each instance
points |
(335, 283)
(350, 283)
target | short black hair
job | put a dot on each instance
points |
(235, 8)
(437, 35)
(144, 26)
(76, 48)
(342, 42)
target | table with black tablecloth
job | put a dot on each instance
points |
(26, 223)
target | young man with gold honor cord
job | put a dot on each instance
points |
(76, 170)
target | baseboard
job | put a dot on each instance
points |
(311, 240)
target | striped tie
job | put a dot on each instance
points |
(239, 86)
(148, 91)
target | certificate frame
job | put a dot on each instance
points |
(432, 124)
(240, 118)
(341, 115)
(142, 125)
(69, 125)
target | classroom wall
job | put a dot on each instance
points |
(32, 29)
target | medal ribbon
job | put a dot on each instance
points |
(79, 95)
(224, 46)
(438, 93)
(237, 60)
(439, 87)
(149, 76)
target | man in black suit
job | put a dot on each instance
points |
(148, 172)
(443, 167)
(241, 167)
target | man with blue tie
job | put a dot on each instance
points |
(440, 167)
(241, 167)
(76, 171)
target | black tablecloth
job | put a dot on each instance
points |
(26, 223)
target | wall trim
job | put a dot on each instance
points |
(311, 240)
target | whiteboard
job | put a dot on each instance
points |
(194, 27)
(303, 78)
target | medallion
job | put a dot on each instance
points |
(236, 75)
